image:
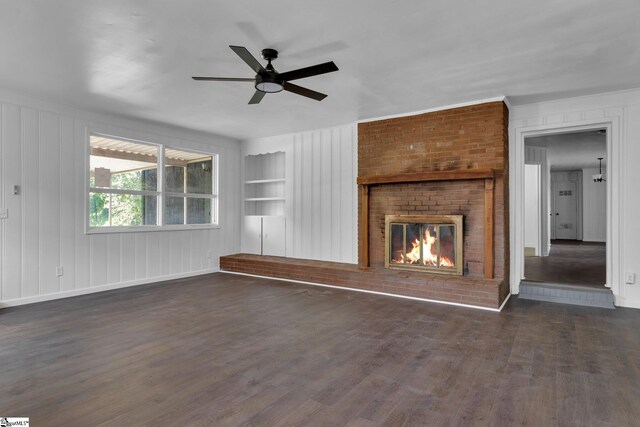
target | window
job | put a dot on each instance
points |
(189, 188)
(143, 185)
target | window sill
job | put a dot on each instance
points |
(151, 228)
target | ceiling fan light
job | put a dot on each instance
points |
(269, 87)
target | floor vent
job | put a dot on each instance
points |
(566, 294)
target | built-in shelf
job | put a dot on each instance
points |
(264, 184)
(263, 199)
(264, 195)
(264, 181)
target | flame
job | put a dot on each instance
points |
(429, 252)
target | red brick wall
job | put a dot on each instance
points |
(461, 138)
(472, 137)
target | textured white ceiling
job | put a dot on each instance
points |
(573, 151)
(135, 58)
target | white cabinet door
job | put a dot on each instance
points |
(273, 236)
(252, 235)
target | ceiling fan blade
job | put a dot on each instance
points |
(257, 97)
(251, 61)
(314, 70)
(299, 90)
(224, 79)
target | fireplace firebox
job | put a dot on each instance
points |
(430, 243)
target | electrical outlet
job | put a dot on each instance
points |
(208, 254)
(59, 271)
(4, 213)
(630, 278)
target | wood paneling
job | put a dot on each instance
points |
(11, 149)
(43, 151)
(322, 194)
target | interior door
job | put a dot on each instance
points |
(566, 210)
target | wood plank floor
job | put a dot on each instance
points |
(231, 350)
(572, 262)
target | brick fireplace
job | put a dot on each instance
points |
(451, 162)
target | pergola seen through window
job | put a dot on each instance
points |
(130, 180)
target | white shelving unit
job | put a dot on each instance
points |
(264, 204)
(264, 185)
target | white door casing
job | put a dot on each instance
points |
(608, 119)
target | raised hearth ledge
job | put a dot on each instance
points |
(478, 292)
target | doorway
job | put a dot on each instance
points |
(566, 208)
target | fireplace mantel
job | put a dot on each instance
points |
(488, 175)
(450, 175)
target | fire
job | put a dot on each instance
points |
(429, 253)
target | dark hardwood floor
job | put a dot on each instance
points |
(231, 350)
(572, 262)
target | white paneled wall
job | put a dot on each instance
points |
(321, 191)
(594, 202)
(43, 150)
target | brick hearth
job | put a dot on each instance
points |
(463, 290)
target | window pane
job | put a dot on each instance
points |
(99, 209)
(174, 179)
(196, 168)
(122, 210)
(122, 164)
(198, 211)
(174, 210)
(126, 209)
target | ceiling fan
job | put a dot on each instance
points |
(268, 80)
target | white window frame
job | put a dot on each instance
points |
(213, 196)
(159, 193)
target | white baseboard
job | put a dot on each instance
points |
(628, 303)
(344, 288)
(102, 288)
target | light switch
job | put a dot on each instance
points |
(4, 213)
